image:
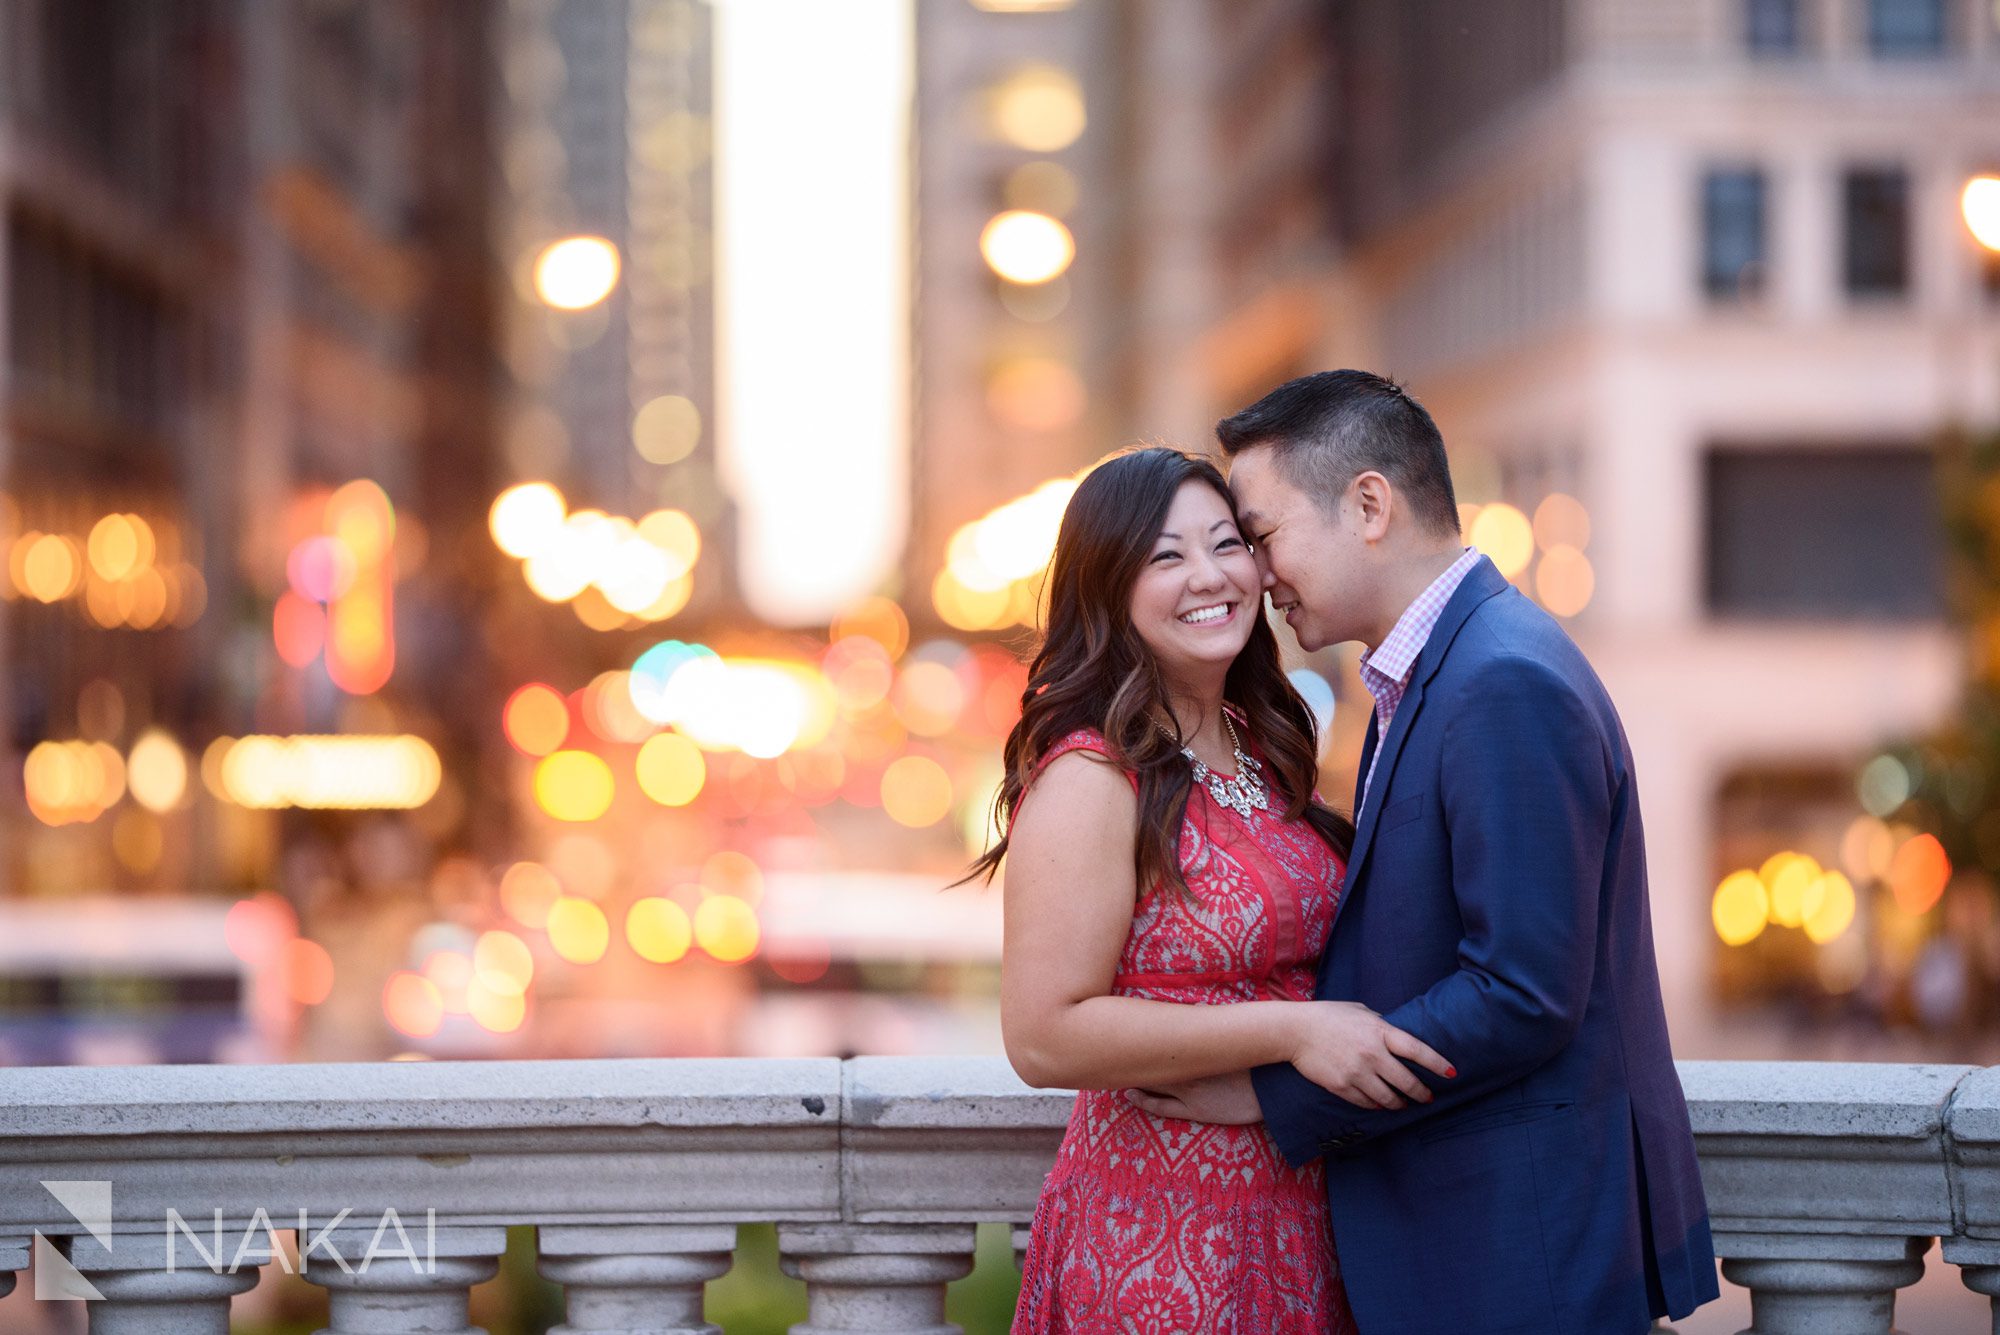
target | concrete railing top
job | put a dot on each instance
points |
(947, 1092)
(1975, 1108)
(1820, 1098)
(1808, 1099)
(418, 1096)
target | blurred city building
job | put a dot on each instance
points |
(1686, 287)
(245, 400)
(473, 543)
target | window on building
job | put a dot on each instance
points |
(1875, 208)
(1906, 27)
(1824, 533)
(1771, 27)
(1732, 232)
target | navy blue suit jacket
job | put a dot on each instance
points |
(1496, 908)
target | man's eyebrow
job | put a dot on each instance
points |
(1250, 518)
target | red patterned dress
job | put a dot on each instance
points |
(1153, 1225)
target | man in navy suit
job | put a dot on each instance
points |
(1495, 907)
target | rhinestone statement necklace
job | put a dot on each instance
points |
(1243, 793)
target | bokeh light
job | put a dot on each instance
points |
(352, 773)
(1023, 246)
(494, 1011)
(574, 785)
(256, 929)
(1561, 521)
(50, 567)
(1867, 848)
(658, 930)
(675, 535)
(1979, 204)
(578, 930)
(1833, 912)
(1741, 908)
(916, 791)
(929, 698)
(308, 971)
(726, 928)
(298, 629)
(1564, 580)
(879, 620)
(119, 546)
(1883, 785)
(502, 963)
(666, 429)
(68, 782)
(670, 769)
(413, 1004)
(156, 772)
(527, 892)
(1794, 884)
(576, 272)
(526, 518)
(1505, 535)
(536, 719)
(1039, 108)
(1918, 874)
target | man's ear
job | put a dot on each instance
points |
(1374, 500)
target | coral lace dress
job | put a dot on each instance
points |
(1147, 1224)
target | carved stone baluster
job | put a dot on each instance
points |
(1978, 1262)
(1019, 1234)
(1821, 1284)
(161, 1284)
(401, 1274)
(876, 1277)
(635, 1279)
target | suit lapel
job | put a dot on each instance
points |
(1483, 581)
(1378, 791)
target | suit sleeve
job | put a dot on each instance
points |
(1527, 788)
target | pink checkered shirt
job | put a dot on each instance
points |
(1385, 669)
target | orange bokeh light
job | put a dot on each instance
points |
(536, 719)
(413, 1004)
(308, 971)
(1918, 874)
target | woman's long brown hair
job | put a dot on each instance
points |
(1093, 671)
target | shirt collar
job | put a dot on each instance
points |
(1391, 661)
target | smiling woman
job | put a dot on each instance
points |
(1170, 881)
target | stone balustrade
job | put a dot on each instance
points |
(1827, 1184)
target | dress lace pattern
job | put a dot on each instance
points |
(1154, 1225)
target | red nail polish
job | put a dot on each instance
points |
(1451, 1072)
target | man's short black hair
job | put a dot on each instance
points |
(1327, 428)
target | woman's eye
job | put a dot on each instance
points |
(1227, 543)
(1169, 554)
